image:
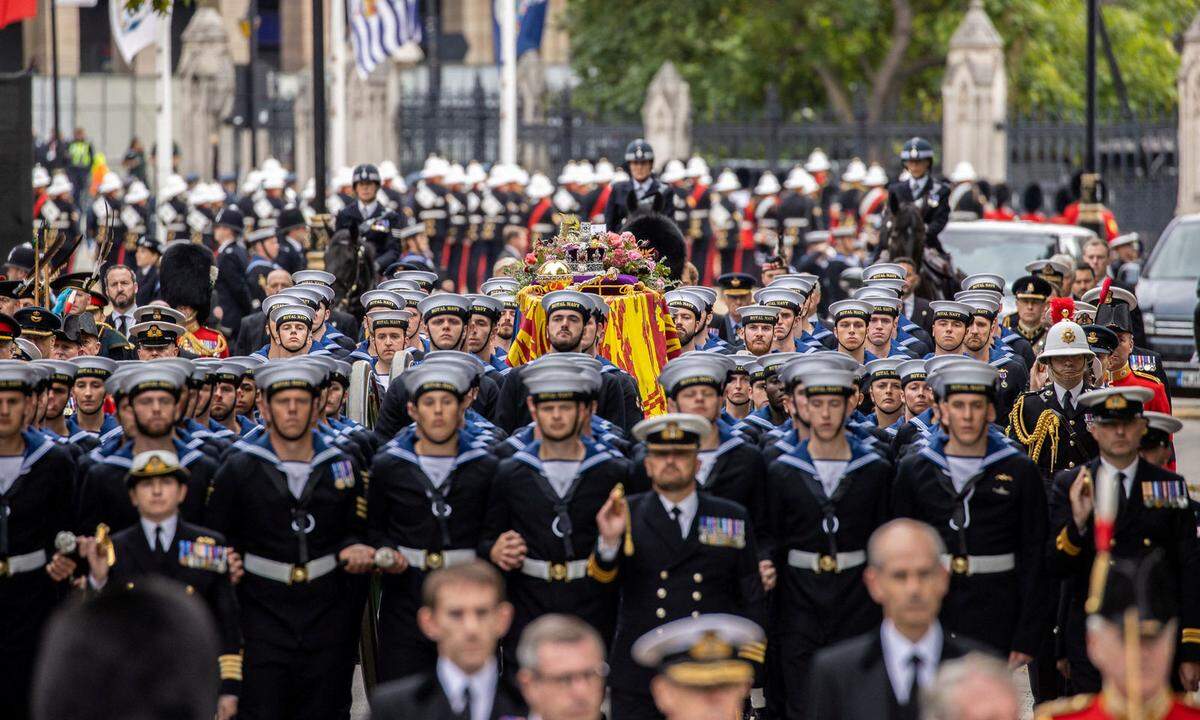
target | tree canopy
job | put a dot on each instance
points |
(869, 60)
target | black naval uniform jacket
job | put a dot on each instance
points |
(1155, 517)
(393, 411)
(1000, 511)
(512, 413)
(33, 510)
(232, 286)
(668, 577)
(557, 529)
(1052, 438)
(829, 603)
(408, 511)
(422, 696)
(253, 507)
(739, 474)
(135, 559)
(104, 496)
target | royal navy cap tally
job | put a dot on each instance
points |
(772, 362)
(313, 277)
(445, 376)
(884, 271)
(885, 368)
(779, 297)
(984, 281)
(911, 371)
(971, 376)
(444, 304)
(950, 310)
(982, 307)
(673, 431)
(17, 375)
(389, 319)
(424, 278)
(702, 651)
(398, 284)
(486, 305)
(744, 364)
(686, 300)
(566, 300)
(286, 375)
(827, 380)
(763, 314)
(846, 309)
(889, 306)
(698, 368)
(386, 299)
(60, 371)
(153, 376)
(281, 314)
(556, 384)
(94, 366)
(504, 285)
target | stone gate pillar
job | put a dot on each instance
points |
(205, 82)
(667, 116)
(1189, 121)
(975, 98)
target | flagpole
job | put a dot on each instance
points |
(58, 138)
(318, 99)
(165, 142)
(337, 56)
(508, 82)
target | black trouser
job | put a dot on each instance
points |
(403, 649)
(303, 684)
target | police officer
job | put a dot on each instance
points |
(642, 189)
(427, 501)
(825, 498)
(540, 524)
(35, 504)
(930, 194)
(674, 552)
(1050, 422)
(164, 544)
(293, 506)
(368, 219)
(1152, 514)
(987, 501)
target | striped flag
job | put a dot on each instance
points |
(382, 29)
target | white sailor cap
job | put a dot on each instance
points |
(763, 314)
(499, 284)
(313, 277)
(486, 305)
(424, 278)
(844, 309)
(287, 375)
(398, 284)
(153, 376)
(696, 368)
(972, 376)
(281, 314)
(886, 368)
(566, 300)
(709, 294)
(911, 371)
(17, 375)
(780, 297)
(374, 299)
(950, 310)
(390, 319)
(984, 281)
(444, 304)
(94, 366)
(687, 300)
(551, 384)
(885, 271)
(429, 376)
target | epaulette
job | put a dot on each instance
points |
(1147, 376)
(1063, 707)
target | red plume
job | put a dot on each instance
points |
(1105, 289)
(1062, 308)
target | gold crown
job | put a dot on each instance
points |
(672, 432)
(1116, 402)
(1093, 338)
(154, 332)
(156, 466)
(710, 647)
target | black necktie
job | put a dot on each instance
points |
(1068, 404)
(675, 513)
(466, 700)
(914, 690)
(1122, 496)
(121, 324)
(160, 547)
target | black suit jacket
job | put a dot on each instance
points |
(422, 696)
(850, 680)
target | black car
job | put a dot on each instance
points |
(1167, 293)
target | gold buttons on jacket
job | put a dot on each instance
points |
(660, 613)
(698, 577)
(663, 575)
(696, 596)
(662, 593)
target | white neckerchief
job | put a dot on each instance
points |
(688, 507)
(482, 684)
(898, 651)
(10, 470)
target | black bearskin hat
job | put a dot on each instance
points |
(657, 231)
(185, 276)
(1032, 199)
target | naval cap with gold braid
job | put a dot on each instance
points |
(1116, 403)
(152, 464)
(701, 652)
(673, 431)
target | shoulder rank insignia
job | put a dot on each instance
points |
(722, 532)
(203, 554)
(1164, 494)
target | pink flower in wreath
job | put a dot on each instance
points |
(628, 239)
(530, 259)
(634, 256)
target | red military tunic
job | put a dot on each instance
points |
(1127, 377)
(203, 342)
(1099, 707)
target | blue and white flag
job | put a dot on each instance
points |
(383, 29)
(531, 20)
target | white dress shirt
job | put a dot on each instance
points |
(897, 657)
(129, 321)
(366, 210)
(688, 507)
(168, 531)
(642, 188)
(1061, 392)
(1107, 470)
(917, 184)
(482, 684)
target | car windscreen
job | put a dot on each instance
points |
(1177, 256)
(997, 252)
